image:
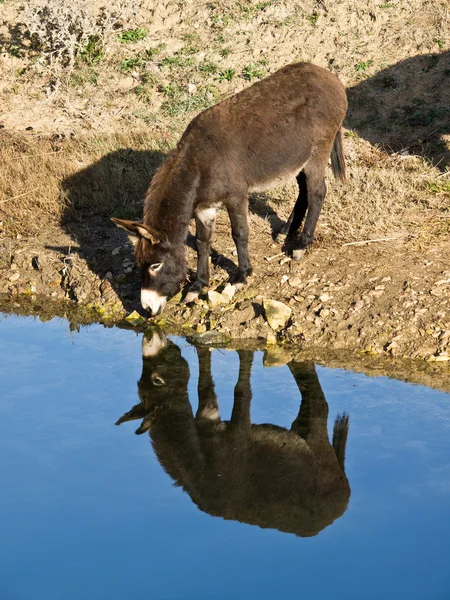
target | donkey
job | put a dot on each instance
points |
(286, 125)
(292, 480)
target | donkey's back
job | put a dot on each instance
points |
(269, 131)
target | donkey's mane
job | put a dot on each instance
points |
(159, 183)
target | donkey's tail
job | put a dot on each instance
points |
(340, 433)
(337, 157)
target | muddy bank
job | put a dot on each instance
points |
(431, 374)
(388, 298)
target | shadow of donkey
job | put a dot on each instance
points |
(406, 107)
(115, 184)
(291, 480)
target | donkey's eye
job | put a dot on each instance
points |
(157, 380)
(156, 267)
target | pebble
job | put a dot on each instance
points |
(15, 276)
(116, 250)
(295, 281)
(324, 297)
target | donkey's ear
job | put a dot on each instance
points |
(138, 230)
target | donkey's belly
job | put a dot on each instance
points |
(268, 183)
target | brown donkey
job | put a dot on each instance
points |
(286, 125)
(289, 479)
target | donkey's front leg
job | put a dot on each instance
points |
(204, 222)
(238, 213)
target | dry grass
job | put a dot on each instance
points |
(45, 182)
(394, 58)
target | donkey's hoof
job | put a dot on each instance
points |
(280, 237)
(191, 297)
(298, 253)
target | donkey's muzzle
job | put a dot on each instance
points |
(152, 301)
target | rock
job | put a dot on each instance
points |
(295, 281)
(358, 305)
(134, 318)
(284, 279)
(15, 276)
(244, 313)
(214, 298)
(324, 297)
(229, 291)
(277, 314)
(116, 250)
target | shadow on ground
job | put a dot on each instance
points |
(406, 107)
(113, 186)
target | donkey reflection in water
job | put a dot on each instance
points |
(292, 480)
(285, 126)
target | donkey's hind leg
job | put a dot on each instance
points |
(292, 225)
(315, 183)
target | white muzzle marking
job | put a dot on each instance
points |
(152, 301)
(151, 347)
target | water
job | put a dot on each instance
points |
(88, 512)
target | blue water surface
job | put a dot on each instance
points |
(87, 512)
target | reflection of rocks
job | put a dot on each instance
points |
(292, 480)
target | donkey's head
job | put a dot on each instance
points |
(163, 264)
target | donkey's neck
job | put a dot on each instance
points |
(170, 199)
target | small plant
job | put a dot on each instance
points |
(170, 90)
(80, 77)
(150, 53)
(224, 52)
(251, 72)
(439, 42)
(129, 64)
(439, 187)
(313, 18)
(208, 68)
(363, 65)
(148, 117)
(177, 61)
(227, 75)
(143, 92)
(61, 31)
(180, 103)
(148, 78)
(262, 5)
(92, 53)
(132, 35)
(16, 51)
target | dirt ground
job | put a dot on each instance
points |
(83, 127)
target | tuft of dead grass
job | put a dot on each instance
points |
(44, 182)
